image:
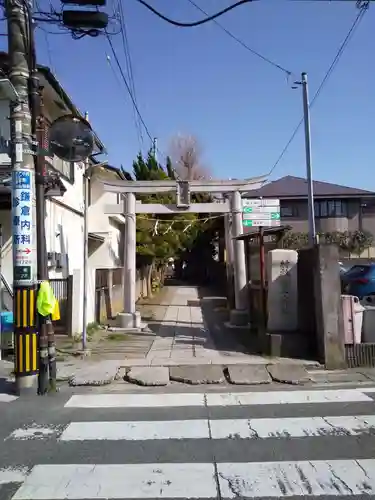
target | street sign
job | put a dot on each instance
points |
(262, 216)
(22, 273)
(260, 222)
(252, 210)
(260, 202)
(22, 214)
(259, 212)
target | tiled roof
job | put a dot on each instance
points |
(296, 187)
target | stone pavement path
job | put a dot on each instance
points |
(185, 338)
(190, 344)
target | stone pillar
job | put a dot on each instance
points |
(282, 299)
(240, 315)
(229, 258)
(129, 318)
(327, 295)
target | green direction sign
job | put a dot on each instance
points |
(22, 273)
(275, 215)
(247, 223)
(247, 210)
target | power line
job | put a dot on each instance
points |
(363, 9)
(195, 23)
(243, 44)
(129, 69)
(128, 87)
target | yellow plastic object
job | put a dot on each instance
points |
(46, 300)
(55, 316)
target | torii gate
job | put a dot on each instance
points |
(232, 206)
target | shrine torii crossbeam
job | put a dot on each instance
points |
(232, 206)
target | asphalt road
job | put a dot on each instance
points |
(297, 443)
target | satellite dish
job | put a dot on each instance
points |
(71, 138)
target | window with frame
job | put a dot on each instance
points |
(330, 208)
(288, 211)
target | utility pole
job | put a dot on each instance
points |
(21, 59)
(85, 248)
(47, 351)
(310, 190)
(155, 148)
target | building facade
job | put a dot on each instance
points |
(64, 210)
(337, 208)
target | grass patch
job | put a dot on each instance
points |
(117, 337)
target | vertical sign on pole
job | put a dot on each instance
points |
(24, 278)
(23, 244)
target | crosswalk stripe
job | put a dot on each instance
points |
(216, 399)
(220, 452)
(7, 398)
(13, 475)
(286, 479)
(119, 481)
(198, 480)
(235, 428)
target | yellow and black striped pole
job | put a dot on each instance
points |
(25, 332)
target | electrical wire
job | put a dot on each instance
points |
(129, 68)
(128, 87)
(363, 9)
(243, 44)
(194, 23)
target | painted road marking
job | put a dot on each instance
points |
(78, 482)
(216, 399)
(235, 480)
(287, 479)
(133, 431)
(13, 475)
(369, 390)
(286, 397)
(134, 400)
(35, 431)
(292, 427)
(202, 429)
(7, 398)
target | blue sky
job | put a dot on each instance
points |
(198, 81)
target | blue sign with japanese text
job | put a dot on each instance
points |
(22, 223)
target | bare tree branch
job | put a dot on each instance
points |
(186, 155)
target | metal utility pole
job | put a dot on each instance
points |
(310, 192)
(21, 59)
(86, 186)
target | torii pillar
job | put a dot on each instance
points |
(240, 315)
(130, 318)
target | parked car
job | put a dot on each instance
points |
(343, 268)
(359, 280)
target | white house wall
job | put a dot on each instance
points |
(107, 255)
(64, 229)
(64, 234)
(73, 197)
